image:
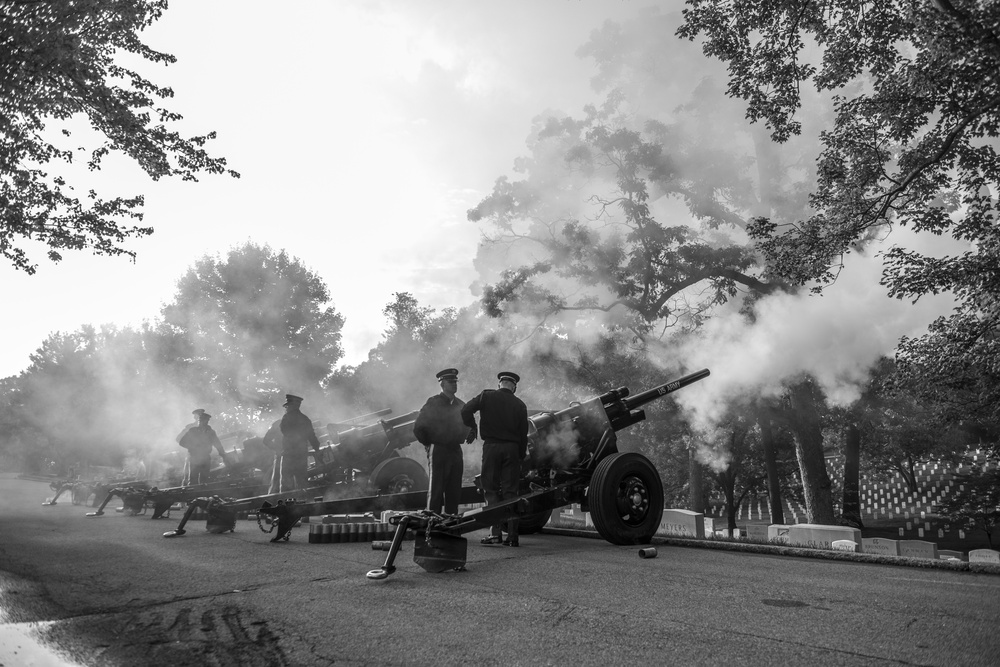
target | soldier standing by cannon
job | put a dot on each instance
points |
(297, 434)
(199, 440)
(504, 429)
(440, 429)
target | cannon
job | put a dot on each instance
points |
(369, 454)
(79, 490)
(361, 460)
(573, 458)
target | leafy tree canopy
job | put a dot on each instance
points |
(254, 325)
(913, 142)
(57, 61)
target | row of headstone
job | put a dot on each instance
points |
(686, 523)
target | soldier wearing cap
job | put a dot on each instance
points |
(440, 429)
(297, 434)
(186, 475)
(199, 440)
(503, 426)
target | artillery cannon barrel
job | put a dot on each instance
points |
(640, 399)
(353, 421)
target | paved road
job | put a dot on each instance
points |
(117, 593)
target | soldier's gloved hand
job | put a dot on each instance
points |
(472, 436)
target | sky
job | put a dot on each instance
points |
(363, 132)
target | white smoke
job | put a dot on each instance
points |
(836, 337)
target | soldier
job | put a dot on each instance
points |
(440, 429)
(199, 440)
(273, 444)
(186, 469)
(503, 426)
(297, 434)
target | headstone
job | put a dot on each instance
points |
(778, 532)
(920, 532)
(757, 532)
(946, 554)
(821, 536)
(880, 545)
(917, 549)
(683, 523)
(984, 556)
(845, 545)
(709, 526)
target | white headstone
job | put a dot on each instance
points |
(918, 549)
(682, 523)
(880, 545)
(820, 536)
(757, 532)
(984, 556)
(777, 532)
(845, 545)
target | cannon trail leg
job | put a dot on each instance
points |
(397, 541)
(52, 501)
(104, 503)
(192, 506)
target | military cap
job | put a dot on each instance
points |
(198, 412)
(291, 399)
(204, 415)
(447, 374)
(508, 375)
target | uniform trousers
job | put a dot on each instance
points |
(500, 478)
(446, 465)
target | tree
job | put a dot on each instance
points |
(975, 503)
(912, 143)
(898, 429)
(253, 326)
(743, 472)
(593, 230)
(57, 63)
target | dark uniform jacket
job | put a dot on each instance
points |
(440, 422)
(199, 441)
(297, 434)
(503, 416)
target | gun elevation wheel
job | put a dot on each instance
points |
(626, 498)
(399, 475)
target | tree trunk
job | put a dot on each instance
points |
(696, 483)
(808, 431)
(852, 477)
(727, 480)
(771, 465)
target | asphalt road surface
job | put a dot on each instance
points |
(112, 591)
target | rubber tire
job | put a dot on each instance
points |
(399, 474)
(616, 481)
(531, 523)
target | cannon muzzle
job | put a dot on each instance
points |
(640, 399)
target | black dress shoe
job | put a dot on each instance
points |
(492, 539)
(511, 543)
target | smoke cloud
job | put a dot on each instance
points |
(836, 337)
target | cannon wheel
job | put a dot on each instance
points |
(626, 498)
(531, 523)
(399, 474)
